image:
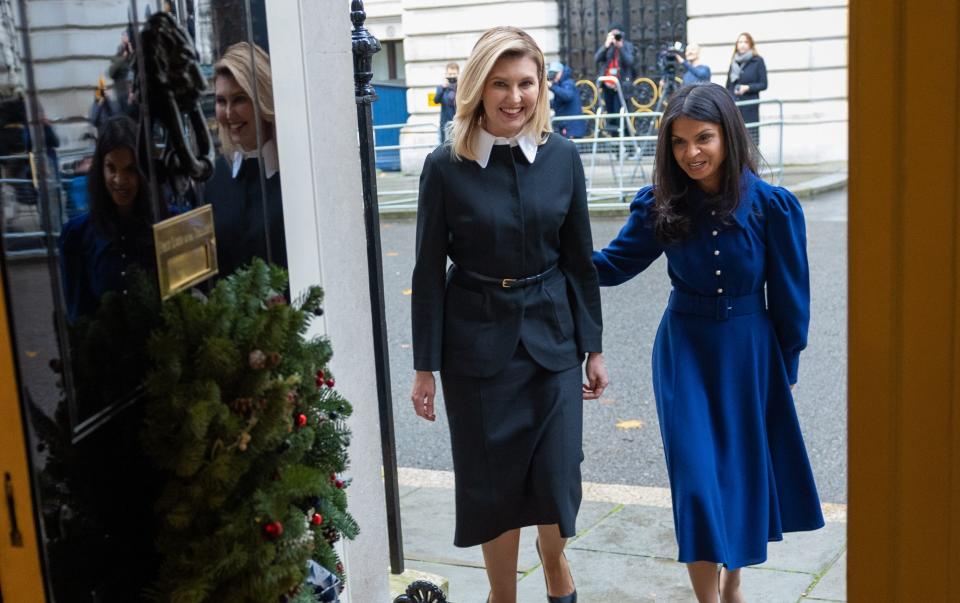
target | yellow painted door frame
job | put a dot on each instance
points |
(904, 308)
(20, 572)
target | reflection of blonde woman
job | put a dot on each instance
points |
(509, 325)
(235, 190)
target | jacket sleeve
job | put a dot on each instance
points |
(429, 271)
(600, 58)
(565, 91)
(635, 247)
(701, 72)
(626, 60)
(73, 271)
(576, 245)
(788, 276)
(761, 83)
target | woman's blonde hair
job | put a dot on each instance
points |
(494, 44)
(235, 63)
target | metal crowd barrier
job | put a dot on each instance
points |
(626, 153)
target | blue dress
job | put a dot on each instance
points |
(724, 358)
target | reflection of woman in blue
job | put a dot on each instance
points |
(98, 248)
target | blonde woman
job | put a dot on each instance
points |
(509, 324)
(243, 218)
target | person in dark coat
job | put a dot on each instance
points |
(615, 58)
(509, 324)
(98, 248)
(726, 355)
(446, 95)
(235, 191)
(566, 101)
(746, 79)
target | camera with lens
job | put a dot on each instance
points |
(618, 36)
(451, 80)
(669, 58)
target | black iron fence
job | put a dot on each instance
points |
(649, 24)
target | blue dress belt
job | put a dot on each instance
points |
(720, 307)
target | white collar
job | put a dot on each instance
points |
(483, 144)
(271, 162)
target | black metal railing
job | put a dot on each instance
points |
(648, 24)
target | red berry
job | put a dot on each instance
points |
(333, 477)
(331, 382)
(339, 484)
(274, 529)
(301, 420)
(317, 519)
(320, 375)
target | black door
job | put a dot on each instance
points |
(650, 25)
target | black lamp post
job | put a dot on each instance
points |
(365, 46)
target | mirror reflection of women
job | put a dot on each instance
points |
(98, 248)
(509, 325)
(235, 190)
(726, 355)
(746, 79)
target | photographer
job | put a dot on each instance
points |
(446, 95)
(566, 101)
(615, 58)
(694, 71)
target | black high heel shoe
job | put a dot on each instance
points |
(572, 597)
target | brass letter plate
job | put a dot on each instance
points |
(186, 250)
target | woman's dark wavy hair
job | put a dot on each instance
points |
(673, 217)
(117, 132)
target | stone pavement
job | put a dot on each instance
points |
(624, 551)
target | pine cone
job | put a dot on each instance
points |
(257, 360)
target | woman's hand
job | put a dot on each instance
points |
(742, 89)
(424, 390)
(597, 379)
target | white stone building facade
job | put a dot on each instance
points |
(804, 44)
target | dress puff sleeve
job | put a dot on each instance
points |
(788, 276)
(635, 247)
(73, 268)
(429, 270)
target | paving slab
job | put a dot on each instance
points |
(810, 552)
(608, 578)
(428, 527)
(467, 584)
(633, 530)
(772, 586)
(833, 584)
(405, 490)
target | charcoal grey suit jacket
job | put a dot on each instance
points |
(510, 219)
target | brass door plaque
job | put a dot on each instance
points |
(186, 250)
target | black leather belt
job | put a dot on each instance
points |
(507, 283)
(719, 308)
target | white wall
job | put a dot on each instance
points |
(326, 244)
(440, 31)
(804, 45)
(72, 43)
